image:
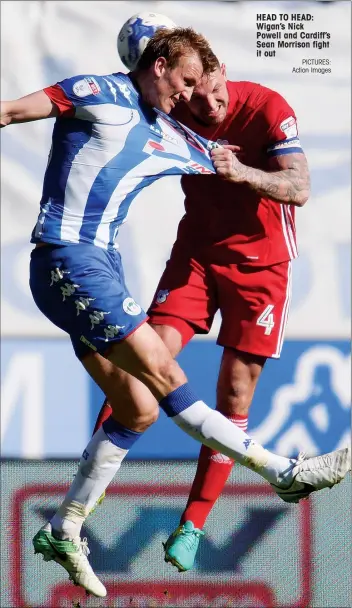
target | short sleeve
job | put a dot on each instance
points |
(58, 97)
(281, 126)
(80, 96)
(82, 90)
(74, 92)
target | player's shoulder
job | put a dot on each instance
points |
(256, 96)
(82, 85)
(92, 89)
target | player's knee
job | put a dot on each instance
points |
(143, 420)
(235, 397)
(170, 374)
(135, 418)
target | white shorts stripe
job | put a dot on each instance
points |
(287, 211)
(287, 237)
(285, 311)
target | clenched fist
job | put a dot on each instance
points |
(227, 164)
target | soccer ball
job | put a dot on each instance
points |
(136, 33)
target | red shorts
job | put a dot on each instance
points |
(253, 302)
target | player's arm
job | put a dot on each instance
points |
(287, 180)
(59, 100)
(35, 106)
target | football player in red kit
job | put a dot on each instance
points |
(233, 253)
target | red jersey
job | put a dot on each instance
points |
(232, 222)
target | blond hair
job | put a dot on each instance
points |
(173, 44)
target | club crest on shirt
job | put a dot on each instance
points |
(131, 307)
(161, 296)
(86, 86)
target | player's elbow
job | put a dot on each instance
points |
(302, 197)
(300, 191)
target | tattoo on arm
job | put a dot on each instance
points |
(288, 185)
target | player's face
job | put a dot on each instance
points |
(176, 84)
(210, 99)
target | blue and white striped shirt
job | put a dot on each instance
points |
(112, 147)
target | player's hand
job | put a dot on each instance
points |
(226, 163)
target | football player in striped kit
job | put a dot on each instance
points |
(111, 138)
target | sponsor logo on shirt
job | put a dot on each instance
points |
(164, 135)
(184, 132)
(131, 307)
(86, 86)
(289, 127)
(193, 168)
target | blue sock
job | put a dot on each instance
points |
(178, 400)
(120, 435)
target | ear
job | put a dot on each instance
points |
(223, 70)
(159, 66)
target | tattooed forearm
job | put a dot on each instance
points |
(290, 185)
(286, 181)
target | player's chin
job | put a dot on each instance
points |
(211, 120)
(217, 117)
(167, 106)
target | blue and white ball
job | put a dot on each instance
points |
(135, 35)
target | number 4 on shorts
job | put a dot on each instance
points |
(266, 319)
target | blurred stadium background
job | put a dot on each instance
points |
(258, 551)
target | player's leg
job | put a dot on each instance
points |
(145, 357)
(59, 287)
(181, 293)
(124, 397)
(172, 339)
(132, 404)
(239, 374)
(138, 350)
(183, 304)
(238, 377)
(192, 421)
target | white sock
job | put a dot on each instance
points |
(217, 432)
(100, 461)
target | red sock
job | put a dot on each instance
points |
(105, 412)
(212, 473)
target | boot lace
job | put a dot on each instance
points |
(318, 462)
(190, 538)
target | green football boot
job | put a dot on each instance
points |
(182, 545)
(71, 555)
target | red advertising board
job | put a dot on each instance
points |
(217, 587)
